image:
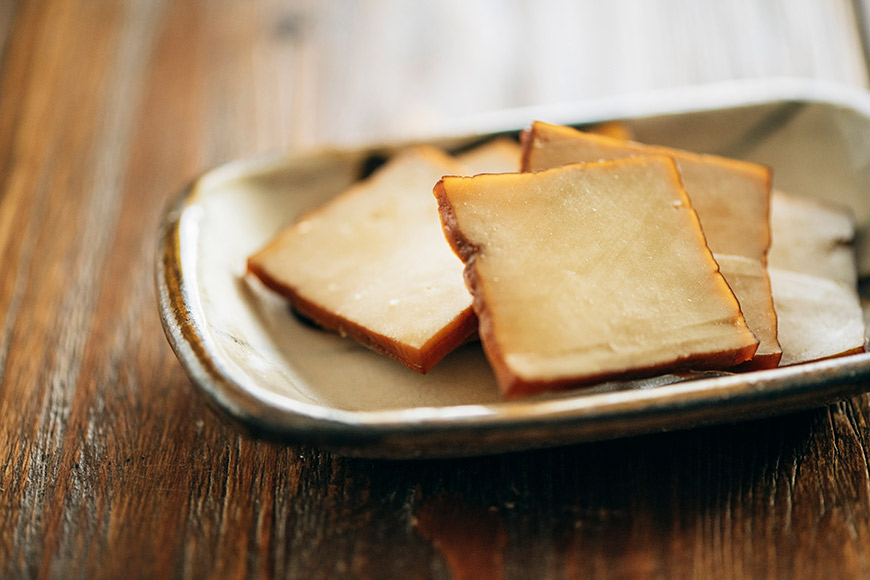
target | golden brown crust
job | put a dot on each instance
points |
(767, 360)
(466, 251)
(517, 387)
(857, 350)
(458, 243)
(758, 362)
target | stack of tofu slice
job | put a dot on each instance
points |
(602, 260)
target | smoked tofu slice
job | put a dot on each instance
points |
(732, 199)
(814, 280)
(590, 272)
(373, 264)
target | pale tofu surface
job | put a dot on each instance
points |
(497, 156)
(813, 275)
(590, 272)
(732, 199)
(373, 263)
(812, 237)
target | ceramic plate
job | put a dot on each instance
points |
(280, 378)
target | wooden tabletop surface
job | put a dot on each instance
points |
(111, 465)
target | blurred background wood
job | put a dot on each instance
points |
(110, 465)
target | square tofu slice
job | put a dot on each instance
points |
(372, 264)
(814, 280)
(732, 199)
(590, 272)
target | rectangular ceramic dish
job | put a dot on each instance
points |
(280, 378)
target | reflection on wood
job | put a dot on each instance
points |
(470, 539)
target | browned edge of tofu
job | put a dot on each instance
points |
(529, 136)
(421, 360)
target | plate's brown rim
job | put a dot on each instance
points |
(473, 429)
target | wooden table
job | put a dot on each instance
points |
(111, 466)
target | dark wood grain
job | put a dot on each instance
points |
(111, 466)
